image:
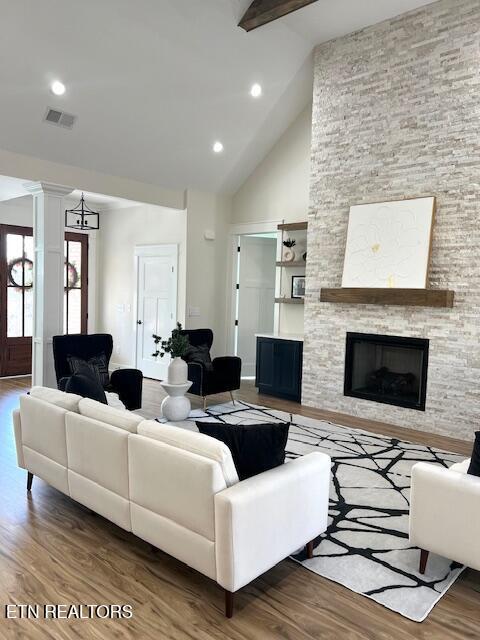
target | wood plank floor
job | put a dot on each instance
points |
(52, 550)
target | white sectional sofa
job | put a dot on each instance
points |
(174, 488)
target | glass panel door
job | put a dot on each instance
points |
(16, 294)
(75, 308)
(16, 300)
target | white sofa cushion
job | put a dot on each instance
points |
(43, 428)
(99, 452)
(115, 417)
(176, 484)
(68, 401)
(197, 443)
(98, 467)
(191, 548)
(43, 441)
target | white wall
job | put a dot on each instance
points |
(30, 168)
(201, 275)
(207, 265)
(18, 211)
(278, 189)
(120, 231)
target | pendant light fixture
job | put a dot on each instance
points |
(82, 217)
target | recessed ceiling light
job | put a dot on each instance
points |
(218, 147)
(256, 91)
(57, 88)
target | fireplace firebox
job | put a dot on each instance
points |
(388, 369)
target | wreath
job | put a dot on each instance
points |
(16, 266)
(72, 275)
(15, 269)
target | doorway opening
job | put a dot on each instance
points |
(255, 295)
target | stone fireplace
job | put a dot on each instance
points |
(386, 369)
(395, 115)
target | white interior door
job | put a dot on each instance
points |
(156, 305)
(256, 296)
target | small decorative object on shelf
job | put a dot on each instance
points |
(298, 287)
(176, 346)
(304, 256)
(288, 252)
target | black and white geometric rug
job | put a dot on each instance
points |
(366, 546)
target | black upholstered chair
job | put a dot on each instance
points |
(224, 374)
(126, 382)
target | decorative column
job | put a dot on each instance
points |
(48, 276)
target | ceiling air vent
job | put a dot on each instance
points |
(60, 118)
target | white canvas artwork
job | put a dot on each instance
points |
(388, 244)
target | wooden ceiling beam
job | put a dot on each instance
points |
(262, 12)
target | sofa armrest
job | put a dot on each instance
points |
(262, 520)
(229, 369)
(445, 513)
(62, 383)
(17, 430)
(128, 384)
(195, 375)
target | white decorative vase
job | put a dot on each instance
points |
(288, 254)
(177, 371)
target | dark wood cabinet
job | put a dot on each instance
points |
(279, 368)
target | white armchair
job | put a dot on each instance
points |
(445, 513)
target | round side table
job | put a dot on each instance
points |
(176, 407)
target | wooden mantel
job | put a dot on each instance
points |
(403, 297)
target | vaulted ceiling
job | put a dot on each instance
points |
(154, 83)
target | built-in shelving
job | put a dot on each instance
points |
(292, 313)
(404, 297)
(296, 264)
(293, 226)
(290, 300)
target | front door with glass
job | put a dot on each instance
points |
(75, 303)
(16, 294)
(16, 300)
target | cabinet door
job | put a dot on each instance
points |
(288, 368)
(265, 364)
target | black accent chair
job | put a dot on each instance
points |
(126, 382)
(222, 377)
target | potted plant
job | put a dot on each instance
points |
(288, 252)
(176, 346)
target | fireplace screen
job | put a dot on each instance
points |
(387, 369)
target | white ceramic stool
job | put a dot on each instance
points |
(176, 407)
